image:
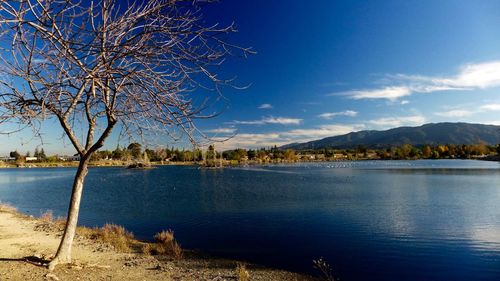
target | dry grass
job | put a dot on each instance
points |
(242, 273)
(325, 269)
(111, 234)
(7, 208)
(165, 245)
(148, 249)
(124, 241)
(177, 252)
(164, 237)
(47, 222)
(47, 216)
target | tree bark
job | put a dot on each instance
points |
(63, 254)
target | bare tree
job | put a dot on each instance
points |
(96, 65)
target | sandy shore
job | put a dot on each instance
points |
(25, 243)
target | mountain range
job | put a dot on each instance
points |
(432, 134)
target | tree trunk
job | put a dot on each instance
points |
(63, 254)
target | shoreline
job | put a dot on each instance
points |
(28, 242)
(122, 164)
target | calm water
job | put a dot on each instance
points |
(380, 220)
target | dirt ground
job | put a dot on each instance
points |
(26, 244)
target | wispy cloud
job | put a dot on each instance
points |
(469, 77)
(456, 113)
(271, 120)
(222, 131)
(265, 106)
(491, 107)
(322, 131)
(390, 93)
(330, 115)
(469, 110)
(391, 122)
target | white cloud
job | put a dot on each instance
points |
(462, 112)
(484, 75)
(391, 122)
(497, 122)
(405, 102)
(282, 120)
(469, 77)
(222, 131)
(271, 120)
(258, 140)
(455, 113)
(252, 141)
(491, 107)
(265, 106)
(252, 122)
(330, 115)
(322, 131)
(390, 93)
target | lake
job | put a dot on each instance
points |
(371, 220)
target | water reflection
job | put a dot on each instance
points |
(373, 220)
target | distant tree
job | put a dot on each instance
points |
(289, 155)
(262, 154)
(435, 154)
(228, 154)
(135, 149)
(152, 155)
(162, 154)
(15, 154)
(211, 154)
(42, 155)
(329, 153)
(426, 151)
(240, 154)
(117, 154)
(480, 149)
(236, 154)
(196, 155)
(51, 159)
(414, 153)
(361, 149)
(252, 154)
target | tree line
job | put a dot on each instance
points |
(405, 151)
(274, 154)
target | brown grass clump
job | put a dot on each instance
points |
(111, 234)
(165, 245)
(4, 207)
(242, 273)
(164, 237)
(176, 252)
(148, 249)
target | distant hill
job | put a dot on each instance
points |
(433, 133)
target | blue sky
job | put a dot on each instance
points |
(326, 68)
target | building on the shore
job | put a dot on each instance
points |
(30, 158)
(75, 157)
(339, 156)
(7, 159)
